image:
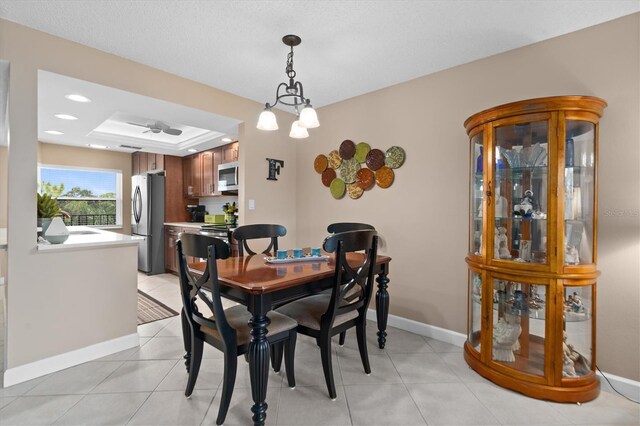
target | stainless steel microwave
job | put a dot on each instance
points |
(228, 176)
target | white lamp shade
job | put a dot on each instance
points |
(298, 132)
(309, 118)
(267, 120)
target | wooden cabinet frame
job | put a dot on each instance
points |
(547, 382)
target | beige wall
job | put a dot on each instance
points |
(423, 215)
(30, 272)
(62, 155)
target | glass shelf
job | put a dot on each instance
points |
(518, 171)
(520, 219)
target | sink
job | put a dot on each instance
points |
(82, 232)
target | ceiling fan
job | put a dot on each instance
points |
(157, 127)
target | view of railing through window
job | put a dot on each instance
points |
(86, 197)
(88, 211)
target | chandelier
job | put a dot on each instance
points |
(291, 94)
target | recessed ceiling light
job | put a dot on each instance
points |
(53, 132)
(77, 98)
(192, 150)
(65, 117)
(226, 139)
(91, 145)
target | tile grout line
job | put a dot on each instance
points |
(344, 389)
(480, 401)
(153, 391)
(405, 386)
(86, 393)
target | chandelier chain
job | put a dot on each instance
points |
(289, 70)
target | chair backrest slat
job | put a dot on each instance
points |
(338, 227)
(345, 297)
(258, 231)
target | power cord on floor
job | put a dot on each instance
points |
(616, 390)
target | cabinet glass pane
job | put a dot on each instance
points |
(520, 192)
(577, 345)
(519, 325)
(477, 193)
(579, 181)
(475, 309)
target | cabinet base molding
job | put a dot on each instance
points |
(587, 390)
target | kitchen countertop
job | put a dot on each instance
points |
(187, 224)
(84, 237)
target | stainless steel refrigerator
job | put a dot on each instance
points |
(147, 220)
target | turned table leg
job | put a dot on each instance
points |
(259, 366)
(382, 306)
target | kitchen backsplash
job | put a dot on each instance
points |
(214, 205)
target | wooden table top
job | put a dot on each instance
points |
(253, 274)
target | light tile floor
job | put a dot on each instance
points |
(414, 381)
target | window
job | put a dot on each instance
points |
(91, 197)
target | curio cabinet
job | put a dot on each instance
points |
(532, 246)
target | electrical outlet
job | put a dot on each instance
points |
(252, 204)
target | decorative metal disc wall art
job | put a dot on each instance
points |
(356, 168)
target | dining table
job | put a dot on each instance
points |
(261, 286)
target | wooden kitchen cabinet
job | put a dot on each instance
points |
(187, 177)
(155, 162)
(135, 164)
(196, 170)
(175, 209)
(200, 171)
(229, 152)
(170, 255)
(192, 175)
(172, 234)
(208, 175)
(143, 162)
(532, 246)
(139, 163)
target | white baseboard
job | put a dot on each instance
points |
(427, 330)
(22, 373)
(628, 387)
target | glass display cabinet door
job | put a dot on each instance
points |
(475, 309)
(579, 192)
(519, 321)
(477, 194)
(577, 339)
(520, 192)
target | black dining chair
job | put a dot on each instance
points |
(258, 231)
(337, 227)
(262, 231)
(227, 329)
(326, 314)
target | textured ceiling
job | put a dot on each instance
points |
(348, 47)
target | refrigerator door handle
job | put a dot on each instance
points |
(137, 204)
(133, 205)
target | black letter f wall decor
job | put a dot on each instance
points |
(274, 168)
